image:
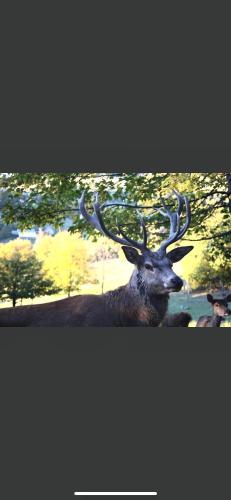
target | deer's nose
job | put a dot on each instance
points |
(177, 282)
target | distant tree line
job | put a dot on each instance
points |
(52, 265)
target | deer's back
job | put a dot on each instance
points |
(117, 308)
(73, 311)
(81, 310)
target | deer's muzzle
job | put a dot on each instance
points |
(176, 284)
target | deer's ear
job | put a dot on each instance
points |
(178, 253)
(131, 254)
(210, 298)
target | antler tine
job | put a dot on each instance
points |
(173, 217)
(175, 232)
(177, 215)
(188, 218)
(137, 244)
(92, 219)
(145, 234)
(100, 223)
(180, 201)
(96, 220)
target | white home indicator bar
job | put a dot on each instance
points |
(115, 493)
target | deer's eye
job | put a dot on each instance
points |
(149, 266)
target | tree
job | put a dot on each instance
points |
(21, 274)
(207, 276)
(6, 231)
(64, 258)
(203, 272)
(102, 249)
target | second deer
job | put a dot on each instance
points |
(220, 310)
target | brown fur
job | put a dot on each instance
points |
(121, 307)
(209, 321)
(179, 319)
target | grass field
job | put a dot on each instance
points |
(114, 273)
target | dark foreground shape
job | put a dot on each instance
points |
(116, 308)
(179, 319)
(143, 301)
(220, 310)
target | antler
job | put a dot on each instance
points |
(175, 233)
(96, 220)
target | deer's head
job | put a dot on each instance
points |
(220, 306)
(154, 269)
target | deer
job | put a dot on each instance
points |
(143, 301)
(179, 319)
(220, 310)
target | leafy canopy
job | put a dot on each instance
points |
(42, 198)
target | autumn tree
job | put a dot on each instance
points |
(21, 274)
(102, 249)
(64, 258)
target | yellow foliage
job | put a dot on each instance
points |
(186, 267)
(16, 247)
(64, 258)
(102, 249)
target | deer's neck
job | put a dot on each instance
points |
(151, 303)
(135, 304)
(216, 320)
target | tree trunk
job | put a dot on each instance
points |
(14, 302)
(229, 189)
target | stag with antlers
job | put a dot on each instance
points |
(142, 302)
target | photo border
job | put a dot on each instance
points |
(133, 159)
